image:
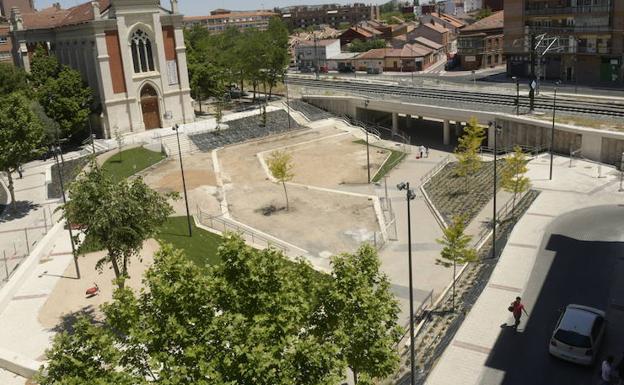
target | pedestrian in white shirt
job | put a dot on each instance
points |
(606, 369)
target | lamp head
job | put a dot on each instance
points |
(175, 127)
(401, 186)
(411, 194)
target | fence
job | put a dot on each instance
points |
(532, 150)
(16, 244)
(251, 236)
(425, 178)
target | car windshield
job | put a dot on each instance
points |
(573, 339)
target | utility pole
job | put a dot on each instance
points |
(552, 131)
(316, 61)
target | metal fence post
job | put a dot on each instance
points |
(27, 242)
(45, 221)
(6, 265)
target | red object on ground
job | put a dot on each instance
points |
(92, 290)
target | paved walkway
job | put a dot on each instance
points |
(464, 361)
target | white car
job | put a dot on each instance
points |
(578, 334)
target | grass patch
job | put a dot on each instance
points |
(395, 158)
(128, 162)
(201, 248)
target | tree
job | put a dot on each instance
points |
(483, 13)
(467, 151)
(118, 216)
(21, 136)
(456, 249)
(280, 164)
(277, 57)
(43, 67)
(66, 99)
(361, 303)
(12, 79)
(253, 319)
(358, 45)
(513, 177)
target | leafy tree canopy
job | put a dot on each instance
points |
(358, 45)
(12, 79)
(118, 216)
(43, 67)
(254, 319)
(467, 151)
(21, 135)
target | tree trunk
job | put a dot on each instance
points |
(120, 282)
(11, 189)
(286, 194)
(255, 85)
(454, 272)
(355, 376)
(199, 101)
(271, 88)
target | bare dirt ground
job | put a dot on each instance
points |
(335, 161)
(200, 182)
(324, 223)
(68, 297)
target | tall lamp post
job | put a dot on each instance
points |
(552, 130)
(366, 101)
(176, 128)
(287, 101)
(497, 131)
(410, 195)
(515, 78)
(59, 166)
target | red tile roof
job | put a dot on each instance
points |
(455, 22)
(494, 21)
(54, 18)
(408, 51)
(427, 43)
(436, 27)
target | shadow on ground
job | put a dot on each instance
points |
(20, 210)
(566, 271)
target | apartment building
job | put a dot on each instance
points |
(480, 45)
(221, 19)
(586, 35)
(334, 15)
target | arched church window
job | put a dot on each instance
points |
(141, 48)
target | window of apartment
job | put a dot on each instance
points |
(141, 48)
(4, 39)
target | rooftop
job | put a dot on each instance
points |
(318, 43)
(455, 22)
(54, 17)
(436, 27)
(427, 43)
(494, 21)
(229, 15)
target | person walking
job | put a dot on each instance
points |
(516, 308)
(606, 370)
(421, 149)
(426, 152)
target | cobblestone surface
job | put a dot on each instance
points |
(244, 129)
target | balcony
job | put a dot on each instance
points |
(570, 29)
(581, 9)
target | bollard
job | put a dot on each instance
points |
(45, 221)
(27, 242)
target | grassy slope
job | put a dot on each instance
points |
(129, 162)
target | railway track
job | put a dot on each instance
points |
(541, 103)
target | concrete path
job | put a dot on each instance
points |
(465, 359)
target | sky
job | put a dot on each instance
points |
(203, 7)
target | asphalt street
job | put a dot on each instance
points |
(580, 261)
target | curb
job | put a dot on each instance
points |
(18, 364)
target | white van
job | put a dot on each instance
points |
(578, 334)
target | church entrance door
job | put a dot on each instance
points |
(149, 106)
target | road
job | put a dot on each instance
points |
(580, 261)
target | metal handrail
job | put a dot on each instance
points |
(425, 178)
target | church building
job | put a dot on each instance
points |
(130, 52)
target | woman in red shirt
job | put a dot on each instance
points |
(517, 308)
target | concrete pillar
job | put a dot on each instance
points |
(591, 146)
(447, 133)
(408, 120)
(490, 135)
(395, 123)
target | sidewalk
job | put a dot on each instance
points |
(464, 360)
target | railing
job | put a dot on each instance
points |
(253, 237)
(501, 215)
(533, 150)
(569, 10)
(575, 154)
(425, 178)
(16, 244)
(419, 315)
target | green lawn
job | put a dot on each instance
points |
(129, 162)
(201, 248)
(395, 158)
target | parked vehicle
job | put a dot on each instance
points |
(306, 70)
(323, 69)
(578, 334)
(374, 70)
(345, 68)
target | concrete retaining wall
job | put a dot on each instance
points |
(594, 144)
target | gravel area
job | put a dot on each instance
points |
(70, 171)
(454, 195)
(241, 130)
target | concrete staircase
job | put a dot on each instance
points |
(171, 144)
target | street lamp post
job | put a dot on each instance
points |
(366, 101)
(410, 195)
(515, 78)
(552, 131)
(287, 101)
(176, 128)
(497, 130)
(59, 153)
